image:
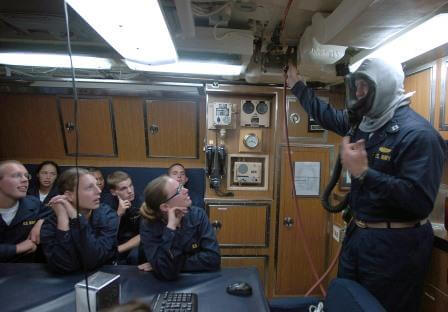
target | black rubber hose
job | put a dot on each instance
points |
(325, 199)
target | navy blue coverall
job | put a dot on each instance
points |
(34, 191)
(405, 159)
(129, 224)
(94, 242)
(29, 212)
(192, 247)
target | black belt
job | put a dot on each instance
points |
(390, 224)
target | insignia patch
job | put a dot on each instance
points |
(30, 222)
(393, 128)
(194, 246)
(385, 150)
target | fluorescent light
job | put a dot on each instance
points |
(190, 67)
(53, 60)
(134, 28)
(417, 41)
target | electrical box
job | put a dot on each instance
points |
(247, 172)
(220, 115)
(104, 292)
(255, 113)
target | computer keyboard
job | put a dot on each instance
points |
(175, 302)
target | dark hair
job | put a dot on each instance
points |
(175, 164)
(154, 196)
(41, 165)
(69, 178)
(48, 162)
(94, 169)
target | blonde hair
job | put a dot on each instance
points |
(7, 162)
(154, 197)
(116, 177)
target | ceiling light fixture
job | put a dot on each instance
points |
(53, 60)
(136, 29)
(190, 67)
(414, 42)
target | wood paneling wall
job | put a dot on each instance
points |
(112, 130)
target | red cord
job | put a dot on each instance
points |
(285, 14)
(296, 206)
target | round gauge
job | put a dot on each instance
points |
(262, 108)
(248, 107)
(251, 140)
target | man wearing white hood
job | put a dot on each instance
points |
(395, 158)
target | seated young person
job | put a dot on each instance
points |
(176, 237)
(45, 186)
(123, 201)
(70, 241)
(178, 173)
(96, 172)
(21, 216)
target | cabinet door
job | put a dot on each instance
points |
(438, 273)
(240, 225)
(422, 80)
(95, 123)
(236, 262)
(30, 127)
(434, 300)
(172, 128)
(294, 275)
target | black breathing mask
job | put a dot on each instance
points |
(357, 108)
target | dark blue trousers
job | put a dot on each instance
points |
(390, 263)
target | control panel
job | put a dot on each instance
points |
(247, 172)
(255, 113)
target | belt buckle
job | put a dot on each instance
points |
(361, 224)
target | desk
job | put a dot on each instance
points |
(31, 287)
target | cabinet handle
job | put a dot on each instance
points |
(70, 126)
(153, 129)
(217, 225)
(430, 296)
(288, 222)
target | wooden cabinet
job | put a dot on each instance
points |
(172, 128)
(434, 300)
(435, 295)
(422, 81)
(427, 76)
(30, 127)
(240, 225)
(294, 275)
(96, 127)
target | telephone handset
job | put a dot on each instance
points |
(215, 157)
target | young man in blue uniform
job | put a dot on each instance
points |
(395, 158)
(123, 201)
(21, 215)
(84, 241)
(175, 236)
(177, 172)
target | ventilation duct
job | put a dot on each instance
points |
(368, 23)
(356, 23)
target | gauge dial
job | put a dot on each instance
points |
(248, 107)
(262, 108)
(251, 140)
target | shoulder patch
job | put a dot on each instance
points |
(385, 150)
